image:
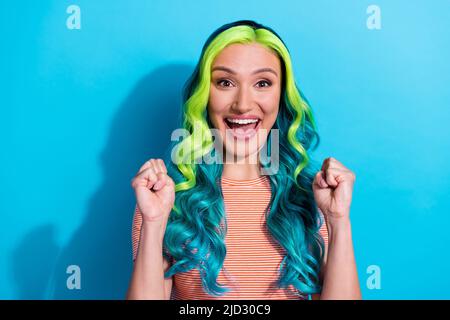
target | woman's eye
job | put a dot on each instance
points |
(223, 81)
(264, 82)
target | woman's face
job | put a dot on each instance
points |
(244, 96)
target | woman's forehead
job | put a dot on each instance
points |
(247, 57)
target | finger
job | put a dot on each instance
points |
(157, 165)
(336, 164)
(162, 165)
(322, 180)
(324, 164)
(146, 165)
(149, 176)
(345, 175)
(169, 182)
(319, 181)
(146, 178)
(330, 177)
(162, 180)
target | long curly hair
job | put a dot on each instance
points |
(196, 228)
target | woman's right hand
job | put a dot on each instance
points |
(155, 191)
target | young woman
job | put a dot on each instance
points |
(240, 229)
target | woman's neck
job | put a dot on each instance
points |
(241, 171)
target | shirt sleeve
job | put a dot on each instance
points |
(136, 231)
(323, 229)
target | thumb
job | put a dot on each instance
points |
(165, 186)
(319, 181)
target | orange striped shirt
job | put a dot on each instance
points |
(253, 258)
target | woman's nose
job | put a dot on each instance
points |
(243, 102)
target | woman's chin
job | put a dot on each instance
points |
(236, 156)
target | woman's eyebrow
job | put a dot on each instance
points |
(254, 72)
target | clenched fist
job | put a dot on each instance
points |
(155, 191)
(333, 188)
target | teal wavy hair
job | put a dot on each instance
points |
(196, 229)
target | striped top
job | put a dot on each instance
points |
(253, 258)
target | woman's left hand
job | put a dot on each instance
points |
(333, 187)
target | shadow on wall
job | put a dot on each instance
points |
(31, 275)
(101, 247)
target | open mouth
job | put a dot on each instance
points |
(242, 128)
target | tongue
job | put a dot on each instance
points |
(243, 127)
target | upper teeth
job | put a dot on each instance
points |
(242, 121)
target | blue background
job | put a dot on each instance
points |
(81, 110)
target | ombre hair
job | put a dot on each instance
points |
(196, 228)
